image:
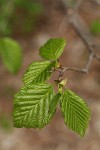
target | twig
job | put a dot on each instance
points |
(89, 61)
(81, 70)
(81, 28)
(83, 31)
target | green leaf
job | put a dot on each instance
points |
(53, 48)
(54, 103)
(11, 53)
(31, 106)
(38, 72)
(75, 111)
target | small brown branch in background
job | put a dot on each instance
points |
(81, 70)
(61, 70)
(81, 28)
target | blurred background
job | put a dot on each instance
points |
(31, 23)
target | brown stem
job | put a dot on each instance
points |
(81, 28)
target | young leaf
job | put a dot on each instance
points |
(53, 48)
(11, 53)
(54, 103)
(38, 72)
(31, 106)
(75, 111)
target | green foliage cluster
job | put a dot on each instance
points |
(36, 103)
(20, 14)
(95, 27)
(11, 54)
